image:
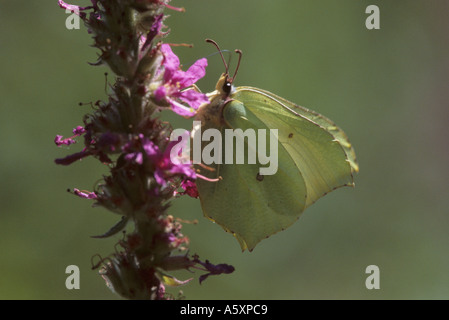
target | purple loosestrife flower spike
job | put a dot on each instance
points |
(124, 133)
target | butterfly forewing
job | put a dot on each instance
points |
(319, 119)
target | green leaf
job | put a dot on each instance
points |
(119, 226)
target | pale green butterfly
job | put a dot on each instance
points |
(314, 158)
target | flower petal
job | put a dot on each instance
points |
(171, 62)
(184, 169)
(193, 98)
(151, 150)
(160, 177)
(181, 109)
(74, 8)
(135, 157)
(84, 194)
(194, 73)
(160, 93)
(190, 188)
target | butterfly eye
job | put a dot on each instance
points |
(227, 86)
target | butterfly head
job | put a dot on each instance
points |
(224, 85)
(211, 113)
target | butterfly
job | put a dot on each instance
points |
(314, 157)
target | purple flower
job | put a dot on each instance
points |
(190, 188)
(149, 148)
(59, 141)
(78, 131)
(77, 9)
(84, 194)
(164, 167)
(176, 80)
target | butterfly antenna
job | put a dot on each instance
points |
(221, 54)
(238, 63)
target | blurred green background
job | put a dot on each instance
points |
(387, 88)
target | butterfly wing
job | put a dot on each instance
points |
(319, 119)
(250, 206)
(314, 158)
(320, 150)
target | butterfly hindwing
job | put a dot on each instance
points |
(243, 202)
